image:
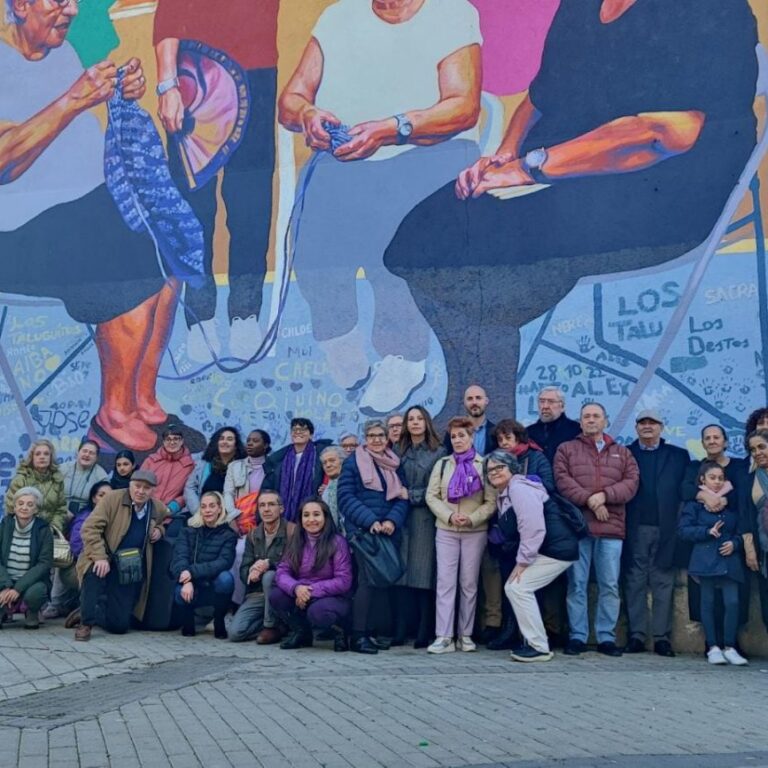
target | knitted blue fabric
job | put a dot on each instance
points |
(138, 179)
(339, 135)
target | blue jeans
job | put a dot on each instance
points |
(216, 592)
(606, 555)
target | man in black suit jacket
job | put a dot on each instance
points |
(651, 535)
(475, 405)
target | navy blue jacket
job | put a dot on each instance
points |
(539, 465)
(706, 560)
(204, 552)
(361, 507)
(671, 467)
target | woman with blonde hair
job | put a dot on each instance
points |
(38, 470)
(202, 558)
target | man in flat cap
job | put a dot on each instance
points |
(115, 566)
(649, 549)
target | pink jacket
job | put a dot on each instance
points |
(172, 471)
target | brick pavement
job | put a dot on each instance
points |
(153, 699)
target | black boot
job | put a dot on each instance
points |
(219, 629)
(188, 621)
(300, 634)
(340, 643)
(506, 639)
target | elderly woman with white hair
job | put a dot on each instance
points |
(202, 558)
(26, 558)
(332, 458)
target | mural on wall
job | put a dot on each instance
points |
(211, 214)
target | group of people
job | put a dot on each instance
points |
(401, 535)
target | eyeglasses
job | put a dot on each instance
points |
(549, 401)
(173, 439)
(497, 470)
(299, 430)
(375, 436)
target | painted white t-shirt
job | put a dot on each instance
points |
(73, 164)
(373, 70)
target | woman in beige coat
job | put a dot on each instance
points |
(461, 501)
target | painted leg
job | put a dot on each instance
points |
(150, 410)
(121, 344)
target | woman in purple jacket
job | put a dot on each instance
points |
(314, 579)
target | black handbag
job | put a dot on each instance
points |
(572, 515)
(129, 563)
(380, 558)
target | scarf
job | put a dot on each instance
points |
(254, 468)
(464, 481)
(140, 183)
(118, 482)
(387, 463)
(296, 482)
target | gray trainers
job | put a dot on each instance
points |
(442, 645)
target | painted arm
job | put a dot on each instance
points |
(170, 108)
(22, 143)
(524, 118)
(459, 79)
(296, 108)
(627, 144)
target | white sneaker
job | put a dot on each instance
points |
(347, 359)
(442, 645)
(393, 381)
(465, 644)
(715, 655)
(244, 337)
(203, 342)
(732, 656)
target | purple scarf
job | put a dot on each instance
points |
(295, 489)
(464, 481)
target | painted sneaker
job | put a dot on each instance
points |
(715, 655)
(466, 644)
(245, 337)
(732, 656)
(347, 359)
(393, 381)
(203, 343)
(442, 645)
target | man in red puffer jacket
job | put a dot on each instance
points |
(599, 476)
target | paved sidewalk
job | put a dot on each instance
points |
(154, 699)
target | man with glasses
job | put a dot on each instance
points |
(553, 427)
(264, 547)
(295, 471)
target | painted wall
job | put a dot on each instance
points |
(620, 282)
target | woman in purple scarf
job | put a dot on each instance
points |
(372, 497)
(461, 501)
(295, 471)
